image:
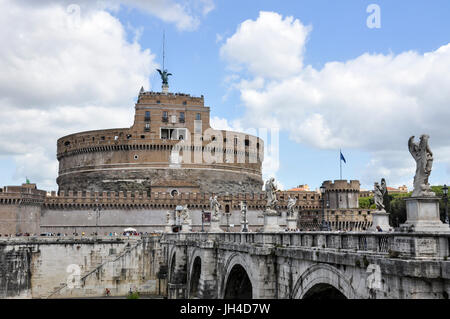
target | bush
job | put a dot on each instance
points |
(133, 295)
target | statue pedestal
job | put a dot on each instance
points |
(291, 223)
(165, 88)
(271, 221)
(186, 227)
(169, 226)
(422, 214)
(380, 218)
(214, 227)
(244, 223)
(168, 229)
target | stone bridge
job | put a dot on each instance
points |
(303, 265)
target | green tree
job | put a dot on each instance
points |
(397, 209)
(366, 203)
(398, 206)
(440, 193)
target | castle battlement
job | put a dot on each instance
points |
(342, 186)
(19, 195)
(88, 199)
(148, 96)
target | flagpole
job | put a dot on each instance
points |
(340, 163)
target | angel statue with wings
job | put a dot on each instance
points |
(185, 214)
(290, 206)
(164, 76)
(271, 189)
(424, 161)
(215, 206)
(378, 194)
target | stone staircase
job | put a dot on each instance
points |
(92, 270)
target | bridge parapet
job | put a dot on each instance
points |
(393, 245)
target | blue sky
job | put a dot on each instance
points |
(201, 57)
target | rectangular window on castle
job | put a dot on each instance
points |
(198, 117)
(181, 117)
(147, 116)
(147, 127)
(165, 117)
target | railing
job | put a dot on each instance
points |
(379, 243)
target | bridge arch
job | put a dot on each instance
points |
(194, 277)
(194, 273)
(172, 262)
(323, 281)
(238, 282)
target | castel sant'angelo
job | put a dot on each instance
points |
(170, 157)
(170, 148)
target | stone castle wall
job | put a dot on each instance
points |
(20, 209)
(69, 212)
(342, 194)
(41, 268)
(211, 178)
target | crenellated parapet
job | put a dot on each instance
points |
(22, 195)
(131, 199)
(342, 186)
(255, 201)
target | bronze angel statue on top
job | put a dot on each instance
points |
(164, 76)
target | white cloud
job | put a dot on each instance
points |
(179, 13)
(219, 123)
(271, 46)
(186, 14)
(372, 103)
(59, 77)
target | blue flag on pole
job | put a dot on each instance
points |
(343, 158)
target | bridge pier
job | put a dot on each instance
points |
(208, 278)
(178, 272)
(266, 284)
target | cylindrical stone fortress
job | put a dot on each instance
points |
(170, 148)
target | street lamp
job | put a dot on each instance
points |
(244, 209)
(97, 216)
(445, 191)
(322, 191)
(203, 220)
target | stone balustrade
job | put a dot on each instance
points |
(392, 245)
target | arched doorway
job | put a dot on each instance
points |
(323, 292)
(238, 285)
(195, 278)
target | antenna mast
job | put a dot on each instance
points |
(164, 49)
(164, 74)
